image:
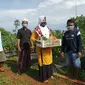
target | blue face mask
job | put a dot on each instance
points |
(25, 25)
(70, 27)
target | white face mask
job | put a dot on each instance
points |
(25, 25)
(70, 27)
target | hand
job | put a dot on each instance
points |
(37, 41)
(19, 49)
(79, 54)
(62, 54)
(32, 47)
(54, 38)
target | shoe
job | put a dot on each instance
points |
(46, 81)
(18, 73)
(52, 77)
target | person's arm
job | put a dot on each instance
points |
(63, 46)
(79, 44)
(18, 41)
(34, 36)
(3, 45)
(2, 42)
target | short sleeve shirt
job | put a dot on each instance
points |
(24, 35)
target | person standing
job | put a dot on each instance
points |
(72, 46)
(23, 39)
(44, 54)
(2, 55)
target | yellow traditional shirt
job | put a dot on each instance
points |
(44, 54)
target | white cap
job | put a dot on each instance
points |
(25, 20)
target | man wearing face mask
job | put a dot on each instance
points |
(23, 37)
(72, 45)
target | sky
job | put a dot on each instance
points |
(56, 11)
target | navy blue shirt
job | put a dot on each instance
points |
(71, 41)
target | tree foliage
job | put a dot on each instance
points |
(56, 50)
(80, 20)
(9, 40)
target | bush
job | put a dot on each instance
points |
(9, 40)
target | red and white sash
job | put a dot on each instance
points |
(38, 30)
(42, 31)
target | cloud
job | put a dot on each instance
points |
(9, 16)
(71, 3)
(56, 11)
(49, 2)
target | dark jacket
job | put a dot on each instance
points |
(71, 41)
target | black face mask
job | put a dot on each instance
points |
(43, 24)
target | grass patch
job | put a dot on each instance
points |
(5, 81)
(69, 82)
(12, 64)
(33, 73)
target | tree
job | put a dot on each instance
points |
(80, 20)
(56, 50)
(16, 23)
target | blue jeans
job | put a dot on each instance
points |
(71, 58)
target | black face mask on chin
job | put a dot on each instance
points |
(43, 24)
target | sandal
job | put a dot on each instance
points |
(52, 77)
(46, 81)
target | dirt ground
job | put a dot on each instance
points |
(25, 79)
(10, 77)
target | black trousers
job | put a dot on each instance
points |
(45, 72)
(24, 61)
